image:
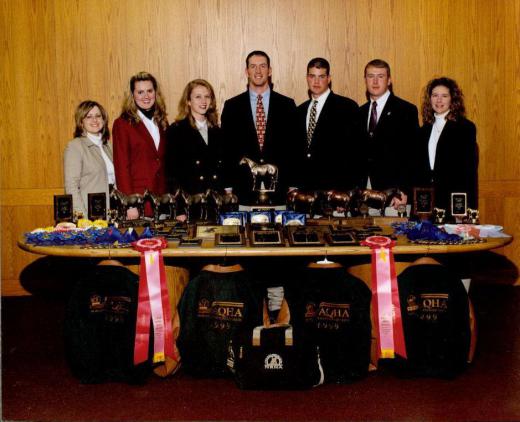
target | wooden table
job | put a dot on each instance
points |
(403, 247)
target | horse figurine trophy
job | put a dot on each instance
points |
(265, 179)
(121, 203)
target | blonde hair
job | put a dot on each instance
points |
(184, 110)
(129, 111)
(82, 111)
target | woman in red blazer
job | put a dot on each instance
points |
(139, 138)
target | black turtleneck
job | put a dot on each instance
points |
(148, 113)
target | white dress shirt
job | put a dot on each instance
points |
(381, 102)
(437, 127)
(203, 129)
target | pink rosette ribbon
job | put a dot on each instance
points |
(153, 304)
(385, 298)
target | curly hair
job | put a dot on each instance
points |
(81, 113)
(184, 108)
(129, 111)
(457, 109)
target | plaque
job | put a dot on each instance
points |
(305, 236)
(63, 208)
(266, 238)
(459, 204)
(97, 206)
(265, 235)
(189, 243)
(423, 200)
(229, 239)
(207, 231)
(340, 238)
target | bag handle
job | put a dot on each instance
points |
(257, 331)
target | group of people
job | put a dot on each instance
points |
(328, 142)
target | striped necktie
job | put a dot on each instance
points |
(312, 123)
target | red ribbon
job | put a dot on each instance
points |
(153, 304)
(385, 298)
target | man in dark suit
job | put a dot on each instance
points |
(328, 134)
(390, 128)
(258, 124)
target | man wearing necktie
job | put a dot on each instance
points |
(258, 124)
(329, 130)
(390, 129)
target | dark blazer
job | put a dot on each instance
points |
(190, 162)
(456, 162)
(329, 162)
(241, 139)
(138, 164)
(388, 155)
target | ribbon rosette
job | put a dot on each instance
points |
(153, 304)
(385, 298)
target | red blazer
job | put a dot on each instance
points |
(138, 164)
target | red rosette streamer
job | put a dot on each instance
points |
(153, 304)
(385, 298)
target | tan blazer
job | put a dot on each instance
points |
(85, 171)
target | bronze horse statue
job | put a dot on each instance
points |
(268, 173)
(121, 203)
(378, 200)
(204, 206)
(301, 202)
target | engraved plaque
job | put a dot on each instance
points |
(459, 204)
(63, 208)
(97, 206)
(423, 200)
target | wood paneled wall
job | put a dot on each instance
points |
(56, 53)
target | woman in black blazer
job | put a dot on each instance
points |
(194, 157)
(448, 151)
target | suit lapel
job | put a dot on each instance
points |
(323, 114)
(443, 146)
(95, 151)
(247, 114)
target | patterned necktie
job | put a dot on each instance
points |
(373, 119)
(260, 122)
(312, 123)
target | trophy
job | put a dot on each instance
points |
(97, 206)
(439, 214)
(423, 200)
(265, 179)
(63, 208)
(459, 205)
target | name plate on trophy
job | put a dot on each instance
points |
(229, 239)
(63, 208)
(305, 236)
(423, 200)
(265, 235)
(459, 204)
(97, 206)
(190, 243)
(340, 238)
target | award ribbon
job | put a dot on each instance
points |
(153, 304)
(385, 298)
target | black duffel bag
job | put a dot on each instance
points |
(274, 357)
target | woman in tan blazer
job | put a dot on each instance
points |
(88, 163)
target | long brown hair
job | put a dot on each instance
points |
(82, 111)
(129, 111)
(457, 109)
(184, 108)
